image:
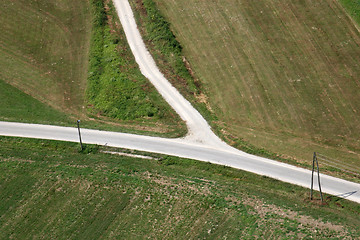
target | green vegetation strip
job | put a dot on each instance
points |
(116, 87)
(165, 48)
(44, 52)
(160, 34)
(50, 189)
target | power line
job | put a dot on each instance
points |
(338, 164)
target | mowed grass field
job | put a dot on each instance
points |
(279, 75)
(50, 190)
(44, 49)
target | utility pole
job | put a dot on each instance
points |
(78, 125)
(312, 177)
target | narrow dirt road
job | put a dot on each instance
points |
(198, 129)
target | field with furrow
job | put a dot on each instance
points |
(279, 75)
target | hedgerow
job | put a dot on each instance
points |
(164, 40)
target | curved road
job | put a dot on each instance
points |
(200, 144)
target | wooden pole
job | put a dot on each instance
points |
(312, 177)
(78, 125)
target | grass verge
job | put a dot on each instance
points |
(50, 189)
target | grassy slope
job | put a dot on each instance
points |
(281, 75)
(18, 106)
(44, 49)
(50, 190)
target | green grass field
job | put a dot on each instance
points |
(50, 190)
(19, 106)
(281, 76)
(44, 52)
